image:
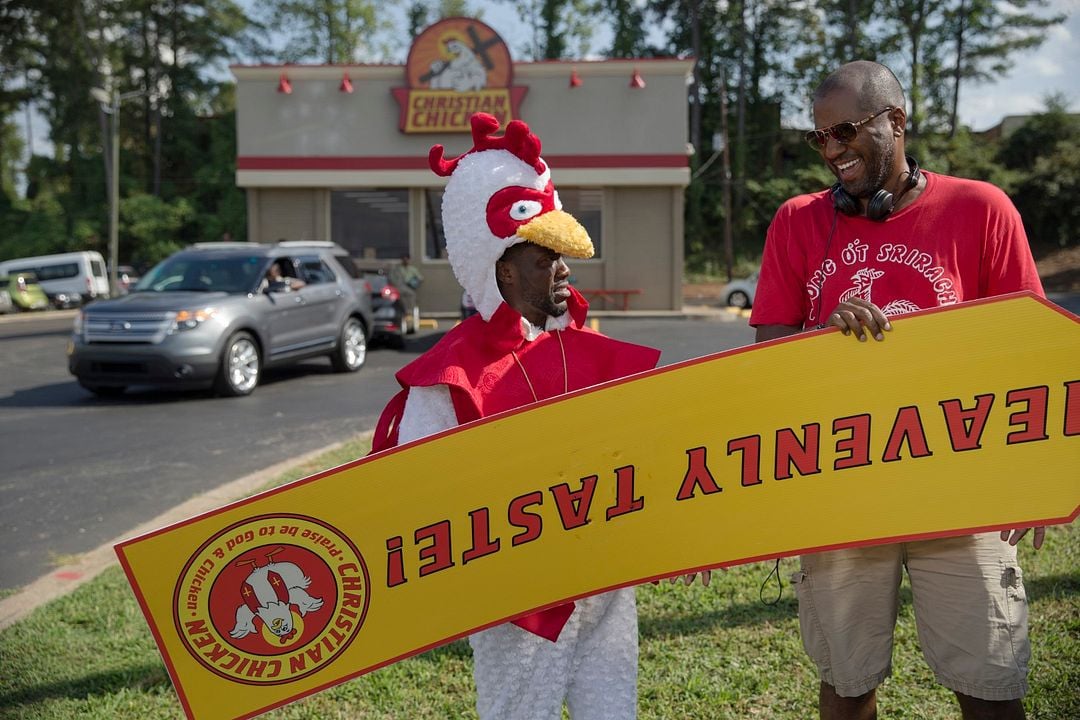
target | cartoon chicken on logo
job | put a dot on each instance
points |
(463, 71)
(270, 593)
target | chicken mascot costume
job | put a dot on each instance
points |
(500, 194)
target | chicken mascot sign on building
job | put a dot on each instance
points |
(457, 67)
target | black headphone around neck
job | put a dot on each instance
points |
(882, 203)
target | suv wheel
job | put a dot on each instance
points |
(351, 350)
(240, 364)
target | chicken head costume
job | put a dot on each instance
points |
(500, 193)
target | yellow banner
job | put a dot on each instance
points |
(963, 419)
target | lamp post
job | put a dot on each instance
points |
(110, 105)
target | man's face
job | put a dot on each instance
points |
(864, 165)
(534, 280)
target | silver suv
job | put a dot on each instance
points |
(210, 316)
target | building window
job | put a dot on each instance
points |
(435, 241)
(371, 224)
(586, 204)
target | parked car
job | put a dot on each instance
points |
(68, 279)
(740, 292)
(24, 291)
(126, 278)
(208, 317)
(6, 305)
(396, 312)
(468, 307)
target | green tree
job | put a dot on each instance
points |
(168, 50)
(629, 28)
(983, 36)
(326, 31)
(1041, 132)
(854, 31)
(151, 226)
(11, 151)
(220, 206)
(1044, 152)
(1049, 199)
(421, 13)
(560, 28)
(911, 22)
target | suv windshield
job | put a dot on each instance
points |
(187, 273)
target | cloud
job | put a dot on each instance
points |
(1046, 66)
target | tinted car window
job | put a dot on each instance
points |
(316, 271)
(51, 272)
(233, 274)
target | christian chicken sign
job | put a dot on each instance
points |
(457, 67)
(964, 419)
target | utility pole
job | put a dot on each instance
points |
(725, 187)
(110, 103)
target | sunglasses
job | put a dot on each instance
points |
(842, 133)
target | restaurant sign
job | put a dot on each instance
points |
(457, 67)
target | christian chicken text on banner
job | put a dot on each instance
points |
(962, 419)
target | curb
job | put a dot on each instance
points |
(19, 317)
(90, 564)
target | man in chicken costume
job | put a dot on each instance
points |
(506, 236)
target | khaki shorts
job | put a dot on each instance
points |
(970, 610)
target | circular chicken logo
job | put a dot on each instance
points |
(457, 67)
(460, 54)
(271, 599)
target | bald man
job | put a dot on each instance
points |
(885, 240)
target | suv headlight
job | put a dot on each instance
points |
(191, 319)
(78, 326)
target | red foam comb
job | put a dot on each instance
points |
(517, 139)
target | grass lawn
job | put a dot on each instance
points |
(715, 652)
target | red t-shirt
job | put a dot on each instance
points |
(960, 240)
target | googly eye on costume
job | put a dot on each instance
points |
(525, 209)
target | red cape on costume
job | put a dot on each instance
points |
(475, 361)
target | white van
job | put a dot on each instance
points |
(70, 278)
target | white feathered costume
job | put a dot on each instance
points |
(499, 194)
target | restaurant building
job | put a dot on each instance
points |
(340, 153)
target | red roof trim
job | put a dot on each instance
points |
(410, 162)
(586, 63)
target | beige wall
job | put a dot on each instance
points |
(643, 203)
(604, 116)
(288, 213)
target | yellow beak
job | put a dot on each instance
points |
(559, 231)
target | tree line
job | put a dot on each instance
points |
(757, 61)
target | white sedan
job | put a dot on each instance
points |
(740, 293)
